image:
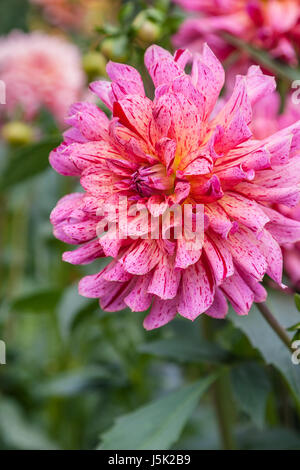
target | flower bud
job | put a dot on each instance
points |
(146, 30)
(94, 65)
(17, 133)
(115, 48)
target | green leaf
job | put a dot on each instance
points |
(263, 338)
(26, 162)
(185, 350)
(13, 15)
(37, 302)
(18, 432)
(294, 327)
(268, 439)
(251, 388)
(159, 424)
(69, 307)
(297, 301)
(71, 383)
(263, 58)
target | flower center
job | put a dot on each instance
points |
(147, 181)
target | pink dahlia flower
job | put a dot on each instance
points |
(39, 71)
(273, 25)
(267, 120)
(168, 152)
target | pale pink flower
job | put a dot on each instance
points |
(272, 25)
(39, 71)
(170, 151)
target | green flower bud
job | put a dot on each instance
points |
(146, 30)
(115, 48)
(94, 64)
(17, 133)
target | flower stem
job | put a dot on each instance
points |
(275, 325)
(224, 413)
(221, 396)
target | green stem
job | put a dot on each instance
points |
(224, 412)
(222, 398)
(275, 325)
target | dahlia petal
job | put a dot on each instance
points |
(219, 258)
(65, 207)
(60, 160)
(283, 176)
(161, 66)
(116, 273)
(238, 104)
(273, 254)
(218, 219)
(113, 298)
(244, 210)
(90, 121)
(197, 291)
(184, 86)
(246, 254)
(186, 124)
(139, 300)
(283, 229)
(166, 150)
(165, 280)
(141, 258)
(85, 254)
(219, 308)
(162, 312)
(182, 57)
(93, 153)
(134, 112)
(238, 293)
(80, 232)
(111, 247)
(208, 77)
(98, 182)
(230, 177)
(181, 192)
(93, 286)
(259, 84)
(209, 58)
(103, 90)
(199, 164)
(209, 191)
(157, 205)
(127, 80)
(236, 132)
(184, 256)
(280, 149)
(260, 293)
(73, 135)
(286, 196)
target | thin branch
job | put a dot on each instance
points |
(275, 325)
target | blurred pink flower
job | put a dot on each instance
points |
(267, 120)
(171, 151)
(39, 71)
(78, 14)
(273, 25)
